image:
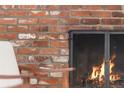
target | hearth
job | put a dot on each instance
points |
(98, 59)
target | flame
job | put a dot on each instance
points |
(98, 71)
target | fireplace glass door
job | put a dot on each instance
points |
(97, 58)
(117, 60)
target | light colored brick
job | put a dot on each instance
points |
(33, 81)
(56, 74)
(54, 12)
(27, 36)
(43, 83)
(64, 51)
(60, 59)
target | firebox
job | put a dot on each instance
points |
(98, 59)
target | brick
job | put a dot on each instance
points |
(31, 58)
(69, 21)
(40, 58)
(122, 21)
(16, 13)
(44, 28)
(3, 28)
(43, 83)
(38, 28)
(48, 21)
(53, 29)
(83, 27)
(100, 14)
(111, 21)
(112, 7)
(40, 43)
(27, 6)
(63, 36)
(28, 21)
(49, 51)
(60, 59)
(8, 6)
(50, 7)
(86, 7)
(48, 36)
(56, 74)
(65, 7)
(52, 13)
(2, 13)
(27, 51)
(91, 13)
(33, 81)
(18, 28)
(59, 28)
(34, 28)
(76, 7)
(105, 27)
(8, 21)
(21, 43)
(64, 51)
(90, 21)
(117, 14)
(80, 13)
(38, 13)
(59, 13)
(8, 36)
(91, 7)
(64, 28)
(50, 80)
(59, 44)
(118, 27)
(27, 36)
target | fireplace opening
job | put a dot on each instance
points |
(98, 59)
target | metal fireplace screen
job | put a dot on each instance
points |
(98, 59)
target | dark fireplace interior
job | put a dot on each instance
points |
(98, 59)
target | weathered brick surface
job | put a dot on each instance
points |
(59, 44)
(91, 14)
(39, 33)
(8, 21)
(3, 28)
(111, 21)
(17, 13)
(8, 6)
(28, 51)
(40, 43)
(50, 36)
(112, 7)
(118, 14)
(48, 21)
(18, 28)
(69, 21)
(8, 36)
(49, 51)
(27, 36)
(90, 21)
(28, 21)
(27, 7)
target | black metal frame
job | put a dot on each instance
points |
(107, 34)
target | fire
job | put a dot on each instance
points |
(98, 71)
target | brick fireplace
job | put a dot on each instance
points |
(39, 33)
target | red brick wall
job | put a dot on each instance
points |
(41, 32)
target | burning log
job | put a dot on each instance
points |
(98, 71)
